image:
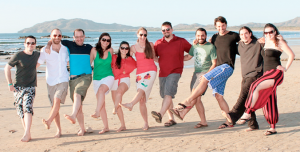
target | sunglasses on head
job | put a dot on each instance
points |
(56, 35)
(104, 39)
(145, 35)
(32, 43)
(270, 32)
(124, 48)
(164, 30)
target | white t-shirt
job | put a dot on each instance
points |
(56, 65)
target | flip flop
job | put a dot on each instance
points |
(224, 125)
(156, 116)
(268, 132)
(184, 107)
(170, 123)
(176, 113)
(199, 125)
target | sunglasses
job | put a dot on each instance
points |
(56, 35)
(107, 40)
(124, 48)
(164, 30)
(271, 32)
(145, 35)
(32, 43)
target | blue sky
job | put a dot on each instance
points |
(16, 15)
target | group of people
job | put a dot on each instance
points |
(214, 63)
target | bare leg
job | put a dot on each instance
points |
(27, 120)
(143, 110)
(58, 127)
(100, 99)
(201, 111)
(76, 107)
(167, 103)
(135, 100)
(198, 91)
(80, 118)
(103, 115)
(53, 113)
(118, 96)
(23, 124)
(222, 103)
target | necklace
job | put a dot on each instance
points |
(141, 46)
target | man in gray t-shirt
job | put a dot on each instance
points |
(249, 50)
(24, 87)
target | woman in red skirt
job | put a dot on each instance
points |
(262, 93)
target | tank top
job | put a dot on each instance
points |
(271, 59)
(102, 67)
(143, 64)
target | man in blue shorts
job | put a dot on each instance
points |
(226, 47)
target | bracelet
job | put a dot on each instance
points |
(10, 84)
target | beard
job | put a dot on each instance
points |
(202, 41)
(167, 36)
(56, 41)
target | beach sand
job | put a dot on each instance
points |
(181, 137)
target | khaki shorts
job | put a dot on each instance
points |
(59, 91)
(168, 85)
(80, 86)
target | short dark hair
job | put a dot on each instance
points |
(79, 30)
(30, 36)
(166, 23)
(220, 19)
(201, 29)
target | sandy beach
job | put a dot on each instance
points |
(181, 137)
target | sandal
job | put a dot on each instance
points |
(184, 107)
(268, 132)
(156, 116)
(176, 113)
(224, 125)
(199, 125)
(170, 123)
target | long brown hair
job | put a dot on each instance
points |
(119, 58)
(99, 47)
(277, 32)
(148, 49)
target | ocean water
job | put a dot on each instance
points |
(9, 42)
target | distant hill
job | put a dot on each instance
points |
(91, 26)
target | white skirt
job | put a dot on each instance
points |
(108, 81)
(145, 82)
(122, 80)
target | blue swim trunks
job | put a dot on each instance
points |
(218, 77)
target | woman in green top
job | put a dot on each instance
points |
(103, 78)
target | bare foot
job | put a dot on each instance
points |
(58, 134)
(47, 126)
(129, 106)
(241, 122)
(103, 131)
(96, 115)
(245, 116)
(146, 127)
(26, 138)
(227, 116)
(250, 129)
(73, 120)
(80, 132)
(115, 109)
(121, 129)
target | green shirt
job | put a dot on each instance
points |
(203, 55)
(102, 67)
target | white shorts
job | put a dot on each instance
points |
(145, 82)
(122, 80)
(108, 81)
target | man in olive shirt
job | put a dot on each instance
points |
(24, 87)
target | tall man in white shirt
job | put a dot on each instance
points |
(57, 77)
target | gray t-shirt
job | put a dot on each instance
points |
(251, 59)
(25, 68)
(203, 55)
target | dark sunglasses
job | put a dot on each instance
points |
(124, 48)
(56, 35)
(32, 43)
(107, 40)
(164, 30)
(145, 35)
(271, 32)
